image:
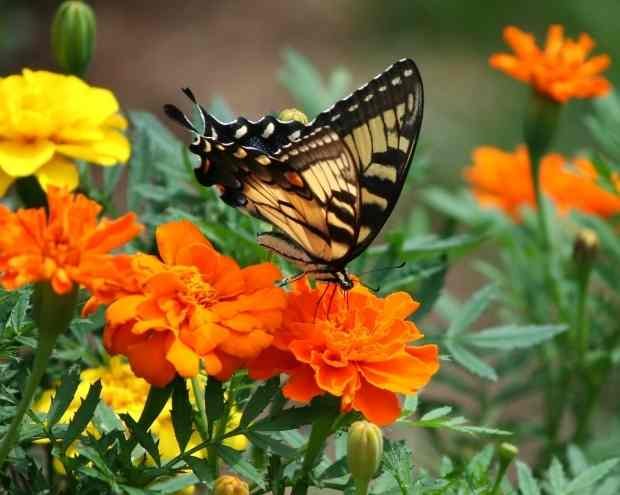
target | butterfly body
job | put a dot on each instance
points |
(328, 186)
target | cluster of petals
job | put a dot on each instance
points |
(124, 393)
(561, 70)
(352, 345)
(503, 180)
(47, 120)
(192, 306)
(65, 245)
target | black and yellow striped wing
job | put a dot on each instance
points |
(328, 186)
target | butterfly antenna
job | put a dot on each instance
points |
(384, 268)
(175, 114)
(289, 280)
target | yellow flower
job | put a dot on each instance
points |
(124, 392)
(46, 118)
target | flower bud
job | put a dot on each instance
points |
(541, 122)
(230, 485)
(293, 114)
(364, 452)
(585, 247)
(507, 452)
(73, 36)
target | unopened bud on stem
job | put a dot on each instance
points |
(364, 453)
(73, 36)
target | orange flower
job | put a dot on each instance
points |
(354, 346)
(561, 70)
(192, 305)
(503, 180)
(66, 246)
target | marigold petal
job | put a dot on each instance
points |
(212, 363)
(183, 358)
(113, 149)
(335, 379)
(5, 182)
(148, 359)
(260, 276)
(173, 236)
(271, 362)
(111, 234)
(403, 374)
(301, 385)
(377, 405)
(399, 305)
(246, 345)
(230, 364)
(58, 172)
(124, 309)
(19, 159)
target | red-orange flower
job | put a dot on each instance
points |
(503, 180)
(354, 346)
(560, 70)
(65, 246)
(192, 305)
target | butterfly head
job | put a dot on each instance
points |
(343, 280)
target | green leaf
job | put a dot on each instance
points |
(556, 476)
(437, 413)
(17, 317)
(425, 246)
(513, 336)
(591, 475)
(172, 485)
(155, 402)
(214, 399)
(398, 461)
(64, 395)
(106, 420)
(143, 437)
(469, 361)
(472, 310)
(527, 483)
(237, 463)
(182, 413)
(287, 419)
(83, 415)
(201, 468)
(260, 400)
(576, 460)
(269, 442)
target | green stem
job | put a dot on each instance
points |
(321, 428)
(41, 358)
(361, 486)
(583, 323)
(199, 397)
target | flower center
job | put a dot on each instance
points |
(197, 290)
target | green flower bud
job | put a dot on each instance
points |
(585, 247)
(230, 485)
(293, 114)
(507, 452)
(73, 36)
(364, 452)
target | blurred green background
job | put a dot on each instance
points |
(147, 50)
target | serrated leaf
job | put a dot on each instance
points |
(237, 463)
(527, 483)
(398, 461)
(437, 413)
(201, 468)
(287, 419)
(590, 476)
(83, 415)
(268, 442)
(143, 437)
(469, 361)
(556, 476)
(410, 405)
(105, 419)
(173, 485)
(64, 395)
(260, 400)
(155, 402)
(17, 317)
(182, 413)
(611, 486)
(214, 399)
(576, 460)
(471, 311)
(513, 336)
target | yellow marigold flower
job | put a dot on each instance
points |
(230, 485)
(124, 392)
(561, 70)
(46, 118)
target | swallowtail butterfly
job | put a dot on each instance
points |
(329, 186)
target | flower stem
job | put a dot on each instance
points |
(52, 313)
(321, 428)
(199, 396)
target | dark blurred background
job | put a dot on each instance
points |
(146, 50)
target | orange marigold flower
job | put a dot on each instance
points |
(65, 246)
(503, 180)
(194, 304)
(560, 70)
(354, 346)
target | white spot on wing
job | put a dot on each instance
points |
(335, 117)
(368, 97)
(395, 81)
(294, 135)
(242, 131)
(352, 108)
(382, 88)
(269, 128)
(408, 72)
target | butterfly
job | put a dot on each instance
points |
(329, 186)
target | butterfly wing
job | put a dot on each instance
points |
(329, 185)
